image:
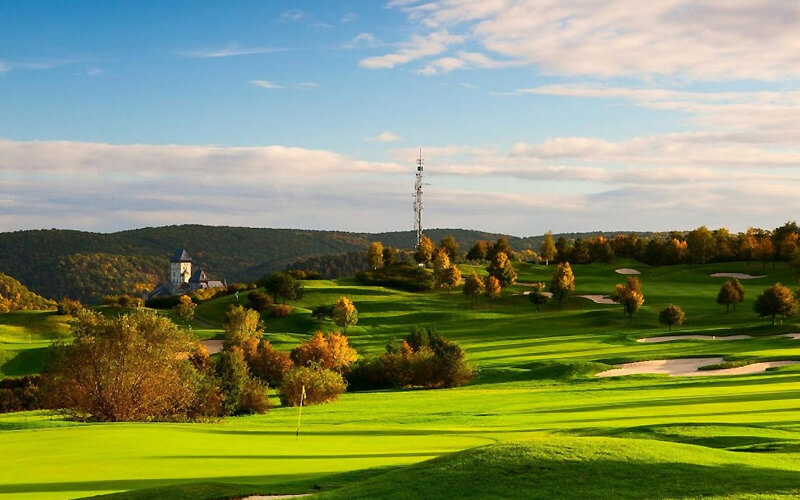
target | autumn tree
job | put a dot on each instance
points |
(479, 250)
(563, 283)
(492, 288)
(502, 269)
(630, 296)
(671, 315)
(441, 260)
(449, 277)
(548, 249)
(185, 308)
(474, 287)
(242, 324)
(775, 301)
(538, 295)
(345, 313)
(500, 246)
(764, 251)
(730, 294)
(331, 351)
(375, 255)
(424, 252)
(450, 245)
(747, 245)
(133, 367)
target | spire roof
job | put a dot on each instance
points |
(181, 256)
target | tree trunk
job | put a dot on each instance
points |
(727, 308)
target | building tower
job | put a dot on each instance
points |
(180, 267)
(418, 200)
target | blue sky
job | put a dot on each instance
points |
(532, 115)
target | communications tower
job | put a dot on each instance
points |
(418, 200)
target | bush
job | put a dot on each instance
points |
(331, 351)
(254, 398)
(20, 394)
(305, 274)
(321, 386)
(163, 302)
(402, 276)
(321, 313)
(241, 325)
(268, 363)
(205, 294)
(69, 307)
(122, 301)
(281, 310)
(259, 301)
(139, 359)
(424, 359)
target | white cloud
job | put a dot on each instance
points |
(742, 39)
(385, 137)
(417, 48)
(349, 18)
(230, 51)
(266, 84)
(362, 39)
(94, 71)
(293, 15)
(3, 67)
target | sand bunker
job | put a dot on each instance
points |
(793, 336)
(670, 338)
(598, 299)
(625, 270)
(689, 367)
(740, 276)
(272, 497)
(546, 294)
(213, 346)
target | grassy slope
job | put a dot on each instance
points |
(24, 338)
(588, 468)
(533, 382)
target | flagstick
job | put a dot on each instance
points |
(300, 413)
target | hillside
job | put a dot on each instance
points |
(14, 296)
(86, 265)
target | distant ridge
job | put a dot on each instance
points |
(59, 262)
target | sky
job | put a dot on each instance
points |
(532, 115)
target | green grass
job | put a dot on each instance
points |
(587, 468)
(535, 382)
(24, 338)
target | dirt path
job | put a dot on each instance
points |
(740, 276)
(670, 338)
(689, 367)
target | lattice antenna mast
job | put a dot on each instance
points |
(418, 199)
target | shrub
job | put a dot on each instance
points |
(282, 285)
(331, 351)
(321, 386)
(20, 394)
(259, 301)
(123, 301)
(305, 274)
(254, 398)
(140, 361)
(69, 307)
(205, 294)
(209, 399)
(424, 359)
(321, 313)
(403, 276)
(185, 308)
(268, 363)
(281, 310)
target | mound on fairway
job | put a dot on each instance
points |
(626, 270)
(689, 367)
(584, 468)
(740, 276)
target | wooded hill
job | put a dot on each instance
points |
(84, 265)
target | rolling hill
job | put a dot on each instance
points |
(86, 265)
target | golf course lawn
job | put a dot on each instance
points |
(536, 388)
